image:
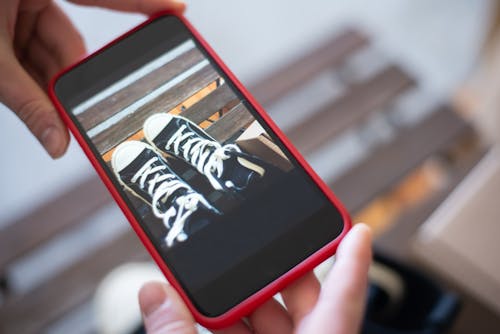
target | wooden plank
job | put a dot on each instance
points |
(229, 124)
(32, 312)
(288, 77)
(357, 103)
(391, 161)
(210, 104)
(395, 241)
(131, 123)
(143, 86)
(45, 222)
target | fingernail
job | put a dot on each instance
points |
(51, 139)
(363, 227)
(152, 298)
(159, 313)
(178, 5)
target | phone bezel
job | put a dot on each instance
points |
(253, 301)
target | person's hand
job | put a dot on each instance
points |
(36, 41)
(337, 307)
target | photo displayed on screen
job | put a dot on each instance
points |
(184, 147)
(226, 206)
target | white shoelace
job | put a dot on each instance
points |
(168, 184)
(207, 156)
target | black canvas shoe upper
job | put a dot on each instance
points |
(151, 179)
(225, 166)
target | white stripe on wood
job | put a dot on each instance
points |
(146, 99)
(134, 76)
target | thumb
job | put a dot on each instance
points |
(163, 310)
(342, 299)
(22, 95)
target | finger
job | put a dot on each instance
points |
(38, 77)
(163, 310)
(271, 318)
(55, 30)
(147, 7)
(301, 296)
(23, 96)
(25, 27)
(341, 302)
(33, 5)
(42, 60)
(237, 328)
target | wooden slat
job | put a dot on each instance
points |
(131, 123)
(232, 122)
(210, 104)
(389, 162)
(45, 222)
(293, 74)
(127, 95)
(395, 241)
(33, 312)
(358, 103)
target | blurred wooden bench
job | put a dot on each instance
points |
(383, 165)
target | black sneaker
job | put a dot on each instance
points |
(225, 166)
(145, 174)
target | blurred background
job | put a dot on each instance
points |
(393, 103)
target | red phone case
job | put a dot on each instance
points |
(253, 301)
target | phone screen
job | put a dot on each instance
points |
(225, 204)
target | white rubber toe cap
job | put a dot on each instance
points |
(125, 153)
(155, 124)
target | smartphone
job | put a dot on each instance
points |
(226, 206)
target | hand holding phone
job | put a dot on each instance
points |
(226, 206)
(343, 298)
(38, 40)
